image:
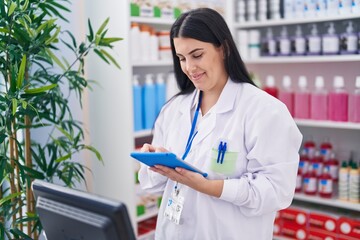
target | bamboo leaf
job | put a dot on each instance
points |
(21, 72)
(101, 55)
(24, 104)
(9, 197)
(18, 233)
(94, 150)
(14, 105)
(63, 158)
(25, 6)
(12, 8)
(55, 59)
(40, 89)
(97, 39)
(102, 27)
(91, 32)
(53, 38)
(111, 58)
(4, 30)
(111, 40)
(68, 136)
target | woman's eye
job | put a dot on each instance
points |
(181, 59)
(197, 56)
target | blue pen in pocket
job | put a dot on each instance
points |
(223, 153)
(220, 147)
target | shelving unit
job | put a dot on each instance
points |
(345, 135)
(282, 22)
(328, 202)
(305, 59)
(328, 124)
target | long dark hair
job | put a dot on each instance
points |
(207, 25)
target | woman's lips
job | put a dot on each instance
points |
(196, 77)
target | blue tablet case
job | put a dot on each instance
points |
(164, 158)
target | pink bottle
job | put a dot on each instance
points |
(354, 103)
(319, 101)
(302, 100)
(338, 101)
(286, 94)
(270, 87)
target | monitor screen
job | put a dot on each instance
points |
(72, 214)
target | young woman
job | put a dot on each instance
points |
(221, 123)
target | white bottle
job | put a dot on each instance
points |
(284, 42)
(299, 42)
(289, 9)
(144, 43)
(268, 45)
(309, 8)
(299, 8)
(135, 42)
(330, 41)
(332, 8)
(349, 40)
(354, 183)
(243, 44)
(320, 8)
(241, 11)
(262, 10)
(355, 6)
(345, 7)
(344, 182)
(314, 42)
(274, 9)
(254, 43)
(251, 10)
(154, 45)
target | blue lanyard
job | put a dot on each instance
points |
(193, 125)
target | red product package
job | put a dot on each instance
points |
(293, 215)
(348, 227)
(318, 221)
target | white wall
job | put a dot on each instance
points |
(109, 108)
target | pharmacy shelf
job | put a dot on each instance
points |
(281, 22)
(305, 59)
(280, 238)
(147, 236)
(153, 63)
(153, 20)
(148, 215)
(327, 202)
(327, 124)
(142, 133)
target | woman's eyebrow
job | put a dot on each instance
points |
(192, 51)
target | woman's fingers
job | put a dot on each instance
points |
(150, 148)
(147, 148)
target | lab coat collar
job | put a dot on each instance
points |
(224, 104)
(227, 97)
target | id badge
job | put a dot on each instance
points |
(174, 207)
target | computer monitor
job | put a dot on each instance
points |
(72, 214)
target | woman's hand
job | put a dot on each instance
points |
(191, 179)
(150, 148)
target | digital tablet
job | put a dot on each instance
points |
(164, 158)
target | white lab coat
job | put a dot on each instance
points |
(262, 160)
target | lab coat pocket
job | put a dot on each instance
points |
(225, 166)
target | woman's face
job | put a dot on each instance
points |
(202, 62)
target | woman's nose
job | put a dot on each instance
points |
(190, 66)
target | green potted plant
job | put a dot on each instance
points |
(32, 97)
